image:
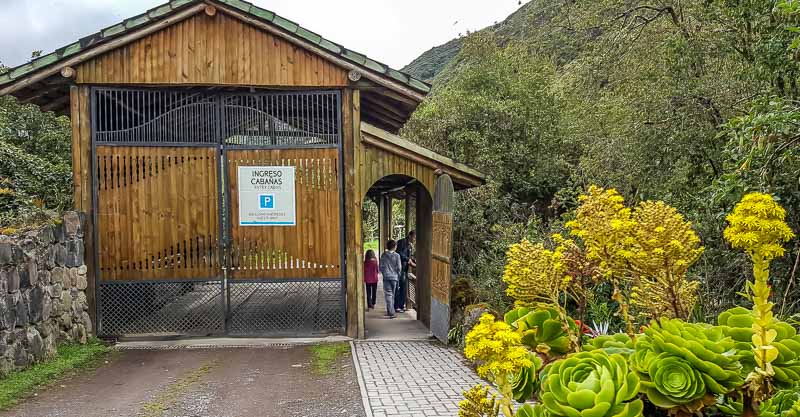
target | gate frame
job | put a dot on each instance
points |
(224, 204)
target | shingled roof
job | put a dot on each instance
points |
(163, 11)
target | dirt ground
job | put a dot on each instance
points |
(263, 382)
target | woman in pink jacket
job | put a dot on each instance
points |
(371, 277)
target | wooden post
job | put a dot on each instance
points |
(351, 118)
(424, 228)
(80, 115)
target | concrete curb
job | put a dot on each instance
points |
(226, 343)
(362, 385)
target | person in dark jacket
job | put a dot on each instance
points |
(390, 269)
(404, 249)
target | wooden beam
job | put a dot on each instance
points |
(386, 115)
(41, 93)
(55, 104)
(391, 109)
(400, 90)
(100, 49)
(69, 73)
(210, 10)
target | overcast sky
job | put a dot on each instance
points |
(391, 31)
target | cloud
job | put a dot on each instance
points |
(391, 31)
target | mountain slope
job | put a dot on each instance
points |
(433, 61)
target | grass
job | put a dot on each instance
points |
(167, 398)
(324, 355)
(372, 244)
(21, 384)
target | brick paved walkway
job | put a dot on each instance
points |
(411, 379)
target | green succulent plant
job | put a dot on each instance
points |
(611, 343)
(526, 381)
(527, 410)
(542, 329)
(737, 323)
(683, 365)
(785, 403)
(590, 384)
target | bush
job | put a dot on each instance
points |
(669, 366)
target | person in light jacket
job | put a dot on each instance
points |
(391, 268)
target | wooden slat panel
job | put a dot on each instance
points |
(157, 213)
(216, 50)
(311, 248)
(375, 163)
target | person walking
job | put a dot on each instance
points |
(390, 269)
(371, 277)
(404, 249)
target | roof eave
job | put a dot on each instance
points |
(462, 175)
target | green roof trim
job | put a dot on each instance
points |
(262, 13)
(285, 24)
(160, 12)
(114, 30)
(239, 4)
(136, 21)
(308, 35)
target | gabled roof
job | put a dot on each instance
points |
(463, 176)
(165, 10)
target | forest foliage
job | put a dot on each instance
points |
(690, 102)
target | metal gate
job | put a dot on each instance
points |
(172, 257)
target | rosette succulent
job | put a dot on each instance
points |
(527, 410)
(526, 381)
(785, 403)
(612, 343)
(683, 365)
(542, 330)
(738, 324)
(590, 384)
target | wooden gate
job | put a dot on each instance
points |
(441, 250)
(172, 256)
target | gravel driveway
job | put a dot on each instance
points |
(263, 382)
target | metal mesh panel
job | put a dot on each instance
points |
(161, 308)
(155, 116)
(197, 117)
(412, 291)
(292, 308)
(282, 119)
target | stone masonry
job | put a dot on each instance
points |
(42, 292)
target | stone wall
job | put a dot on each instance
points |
(42, 298)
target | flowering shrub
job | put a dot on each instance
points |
(757, 226)
(664, 247)
(670, 365)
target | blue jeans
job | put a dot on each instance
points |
(389, 288)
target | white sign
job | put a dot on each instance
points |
(266, 196)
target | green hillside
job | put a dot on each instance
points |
(694, 103)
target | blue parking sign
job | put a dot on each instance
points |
(266, 201)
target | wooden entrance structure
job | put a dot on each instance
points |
(169, 107)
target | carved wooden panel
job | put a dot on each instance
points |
(441, 250)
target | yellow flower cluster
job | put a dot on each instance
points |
(757, 226)
(477, 403)
(498, 349)
(534, 274)
(664, 247)
(604, 225)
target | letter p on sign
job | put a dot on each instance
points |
(266, 201)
